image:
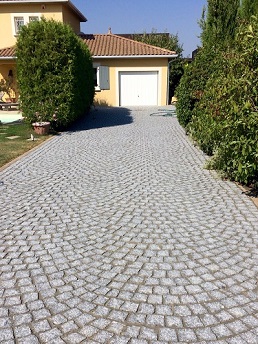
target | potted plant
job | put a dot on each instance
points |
(41, 126)
(44, 119)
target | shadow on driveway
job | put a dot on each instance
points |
(100, 117)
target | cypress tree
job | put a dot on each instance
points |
(248, 8)
(220, 24)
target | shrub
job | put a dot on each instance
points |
(218, 25)
(54, 72)
(210, 112)
(192, 84)
(237, 155)
(225, 122)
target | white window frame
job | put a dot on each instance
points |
(34, 18)
(17, 19)
(26, 19)
(96, 66)
(103, 82)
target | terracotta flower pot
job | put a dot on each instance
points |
(41, 128)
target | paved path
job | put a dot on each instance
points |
(114, 233)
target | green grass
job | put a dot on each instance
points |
(11, 149)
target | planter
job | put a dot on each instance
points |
(41, 128)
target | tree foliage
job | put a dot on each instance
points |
(223, 117)
(162, 40)
(225, 121)
(220, 24)
(192, 84)
(248, 9)
(54, 72)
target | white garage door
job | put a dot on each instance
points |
(138, 88)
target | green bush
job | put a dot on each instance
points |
(54, 72)
(186, 99)
(192, 84)
(237, 156)
(211, 111)
(225, 121)
(219, 24)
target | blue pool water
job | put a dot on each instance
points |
(8, 118)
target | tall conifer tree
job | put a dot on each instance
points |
(219, 25)
(248, 8)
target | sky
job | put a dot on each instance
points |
(137, 16)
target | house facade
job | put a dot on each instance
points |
(127, 72)
(14, 14)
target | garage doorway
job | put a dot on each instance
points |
(138, 88)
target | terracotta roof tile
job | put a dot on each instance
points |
(112, 45)
(7, 52)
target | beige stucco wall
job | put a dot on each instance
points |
(111, 97)
(56, 11)
(71, 19)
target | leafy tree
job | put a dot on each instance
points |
(54, 72)
(170, 42)
(162, 40)
(219, 25)
(193, 83)
(218, 97)
(225, 121)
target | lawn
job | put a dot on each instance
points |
(11, 148)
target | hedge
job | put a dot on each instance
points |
(224, 122)
(54, 72)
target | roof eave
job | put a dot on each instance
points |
(29, 1)
(134, 56)
(8, 57)
(112, 57)
(83, 19)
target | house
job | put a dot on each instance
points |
(127, 72)
(14, 14)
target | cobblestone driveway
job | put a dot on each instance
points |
(114, 233)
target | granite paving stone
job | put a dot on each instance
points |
(114, 232)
